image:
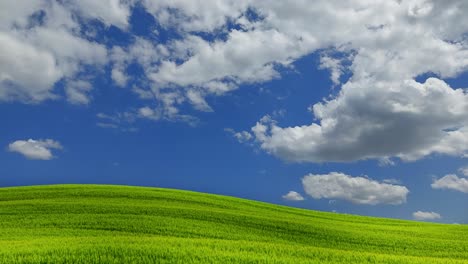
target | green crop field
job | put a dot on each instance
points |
(119, 224)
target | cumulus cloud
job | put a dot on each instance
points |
(369, 119)
(196, 15)
(35, 149)
(422, 216)
(39, 46)
(293, 196)
(385, 44)
(279, 33)
(451, 182)
(111, 12)
(358, 190)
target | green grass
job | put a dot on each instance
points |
(119, 224)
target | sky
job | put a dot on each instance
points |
(356, 107)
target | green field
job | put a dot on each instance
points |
(119, 224)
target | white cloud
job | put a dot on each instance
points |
(241, 136)
(123, 121)
(451, 182)
(387, 44)
(386, 161)
(141, 51)
(334, 66)
(358, 190)
(195, 15)
(26, 72)
(243, 57)
(464, 171)
(420, 215)
(143, 94)
(293, 196)
(36, 54)
(77, 90)
(35, 149)
(372, 119)
(17, 12)
(149, 113)
(106, 125)
(119, 77)
(111, 12)
(197, 100)
(392, 181)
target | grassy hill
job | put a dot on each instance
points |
(119, 224)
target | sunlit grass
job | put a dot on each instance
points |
(118, 224)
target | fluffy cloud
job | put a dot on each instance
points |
(293, 196)
(243, 58)
(219, 45)
(358, 190)
(369, 119)
(39, 46)
(420, 215)
(451, 182)
(24, 66)
(111, 12)
(35, 149)
(195, 15)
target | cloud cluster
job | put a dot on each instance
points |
(381, 111)
(216, 46)
(35, 149)
(358, 190)
(369, 119)
(422, 216)
(41, 44)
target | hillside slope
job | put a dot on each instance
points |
(120, 224)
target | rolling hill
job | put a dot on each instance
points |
(121, 224)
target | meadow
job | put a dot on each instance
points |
(121, 224)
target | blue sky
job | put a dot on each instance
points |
(350, 107)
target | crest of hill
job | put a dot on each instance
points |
(123, 224)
